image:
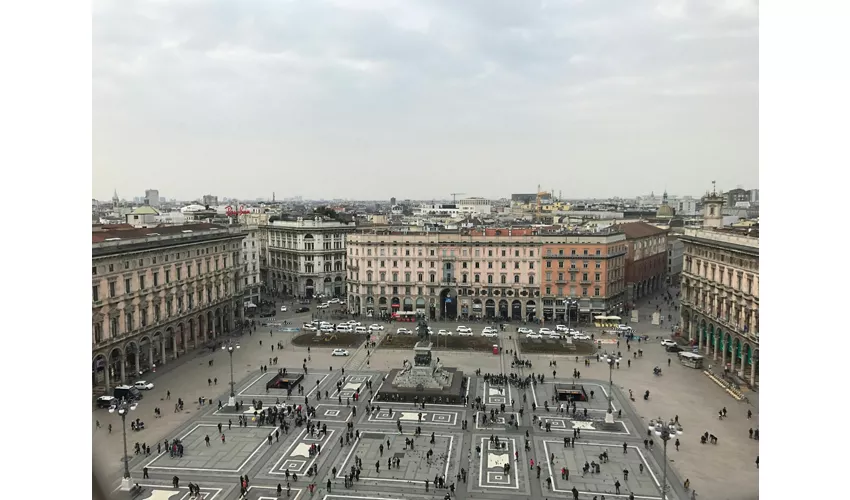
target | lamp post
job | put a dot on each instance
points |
(231, 401)
(568, 304)
(609, 417)
(123, 408)
(666, 431)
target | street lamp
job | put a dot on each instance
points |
(123, 408)
(609, 417)
(231, 401)
(666, 432)
(568, 303)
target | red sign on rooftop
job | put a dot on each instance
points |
(233, 213)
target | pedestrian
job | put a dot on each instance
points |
(110, 428)
(677, 444)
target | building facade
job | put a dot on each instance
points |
(675, 258)
(306, 257)
(494, 273)
(489, 273)
(720, 297)
(251, 252)
(646, 259)
(160, 292)
(152, 197)
(583, 276)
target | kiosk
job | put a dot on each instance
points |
(690, 359)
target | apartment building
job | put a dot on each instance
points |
(251, 252)
(720, 296)
(646, 259)
(160, 292)
(583, 276)
(306, 256)
(488, 273)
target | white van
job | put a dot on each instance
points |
(624, 328)
(343, 328)
(327, 329)
(561, 328)
(361, 329)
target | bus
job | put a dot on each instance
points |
(409, 316)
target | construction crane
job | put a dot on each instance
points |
(454, 197)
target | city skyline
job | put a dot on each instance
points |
(380, 98)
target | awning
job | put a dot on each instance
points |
(396, 306)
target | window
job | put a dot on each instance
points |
(126, 265)
(395, 263)
(419, 277)
(560, 276)
(531, 265)
(433, 278)
(128, 285)
(503, 253)
(516, 253)
(95, 293)
(407, 252)
(489, 253)
(156, 314)
(128, 322)
(561, 264)
(395, 277)
(516, 278)
(199, 268)
(530, 279)
(548, 264)
(382, 264)
(113, 327)
(584, 277)
(180, 273)
(111, 268)
(490, 279)
(548, 290)
(477, 278)
(598, 252)
(597, 276)
(111, 289)
(168, 275)
(596, 292)
(93, 270)
(477, 265)
(489, 265)
(504, 279)
(407, 277)
(463, 278)
(584, 292)
(463, 265)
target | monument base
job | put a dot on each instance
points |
(609, 423)
(452, 394)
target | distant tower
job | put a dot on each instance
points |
(712, 206)
(392, 201)
(272, 196)
(115, 199)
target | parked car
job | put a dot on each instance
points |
(283, 309)
(303, 309)
(339, 352)
(667, 342)
(361, 330)
(353, 323)
(403, 331)
(334, 301)
(327, 329)
(309, 327)
(489, 329)
(376, 328)
(624, 328)
(323, 305)
(545, 331)
(463, 329)
(554, 335)
(532, 335)
(561, 328)
(444, 333)
(523, 329)
(465, 333)
(673, 348)
(143, 385)
(580, 336)
(489, 334)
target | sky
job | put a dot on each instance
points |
(372, 99)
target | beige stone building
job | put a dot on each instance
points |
(720, 296)
(481, 273)
(306, 256)
(160, 292)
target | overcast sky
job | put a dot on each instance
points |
(368, 99)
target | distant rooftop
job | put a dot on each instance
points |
(122, 232)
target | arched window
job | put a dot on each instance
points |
(490, 279)
(516, 278)
(368, 275)
(530, 279)
(504, 279)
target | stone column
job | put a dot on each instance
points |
(138, 362)
(164, 357)
(753, 370)
(123, 363)
(723, 348)
(700, 337)
(106, 375)
(174, 345)
(150, 353)
(732, 357)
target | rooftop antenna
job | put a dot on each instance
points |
(713, 188)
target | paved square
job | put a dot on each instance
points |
(594, 425)
(256, 388)
(296, 456)
(415, 468)
(240, 446)
(491, 473)
(496, 395)
(333, 413)
(270, 493)
(352, 384)
(643, 484)
(416, 417)
(158, 492)
(499, 423)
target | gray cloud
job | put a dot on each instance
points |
(373, 98)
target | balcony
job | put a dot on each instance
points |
(585, 282)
